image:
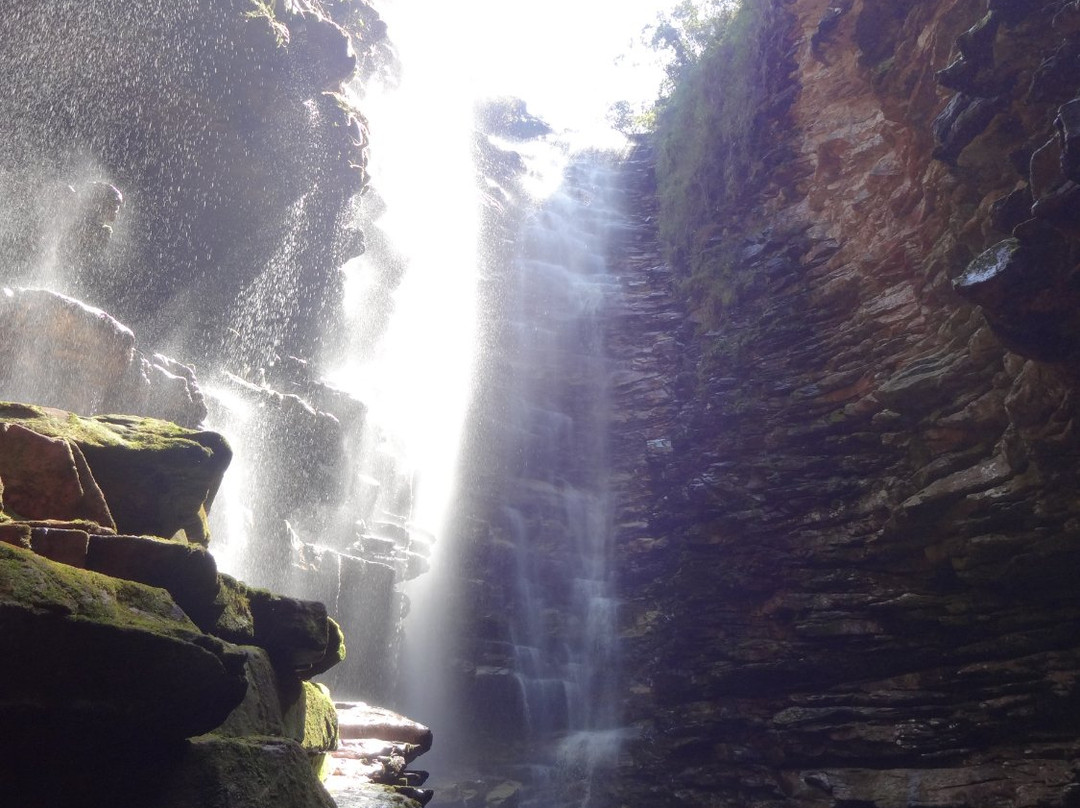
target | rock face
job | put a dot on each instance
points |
(225, 128)
(60, 352)
(132, 648)
(847, 524)
(58, 620)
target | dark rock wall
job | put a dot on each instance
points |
(223, 126)
(847, 532)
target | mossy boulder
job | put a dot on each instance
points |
(158, 478)
(87, 655)
(310, 717)
(300, 638)
(187, 571)
(218, 772)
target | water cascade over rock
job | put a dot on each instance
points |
(529, 616)
(784, 514)
(194, 168)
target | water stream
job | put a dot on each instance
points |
(523, 623)
(389, 389)
(557, 507)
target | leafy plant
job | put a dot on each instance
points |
(267, 10)
(711, 137)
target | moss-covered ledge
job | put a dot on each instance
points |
(87, 654)
(158, 478)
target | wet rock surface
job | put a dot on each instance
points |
(369, 767)
(846, 518)
(125, 641)
(223, 125)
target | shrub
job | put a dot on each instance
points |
(711, 135)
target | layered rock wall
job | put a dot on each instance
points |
(848, 527)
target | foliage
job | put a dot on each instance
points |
(710, 136)
(267, 10)
(682, 36)
(631, 119)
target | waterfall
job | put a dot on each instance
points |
(557, 505)
(521, 624)
(341, 376)
(386, 394)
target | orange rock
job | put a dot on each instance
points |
(48, 478)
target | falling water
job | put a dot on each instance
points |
(557, 509)
(401, 367)
(528, 609)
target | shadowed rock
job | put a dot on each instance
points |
(55, 619)
(158, 478)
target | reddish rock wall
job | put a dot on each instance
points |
(848, 526)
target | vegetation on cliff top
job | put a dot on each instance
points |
(712, 135)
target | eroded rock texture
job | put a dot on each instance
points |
(187, 166)
(128, 648)
(848, 528)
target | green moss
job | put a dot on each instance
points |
(243, 773)
(712, 135)
(320, 719)
(158, 478)
(309, 715)
(231, 612)
(48, 587)
(124, 431)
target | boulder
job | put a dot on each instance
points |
(294, 632)
(68, 640)
(59, 351)
(48, 478)
(158, 478)
(187, 571)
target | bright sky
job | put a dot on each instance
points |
(558, 55)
